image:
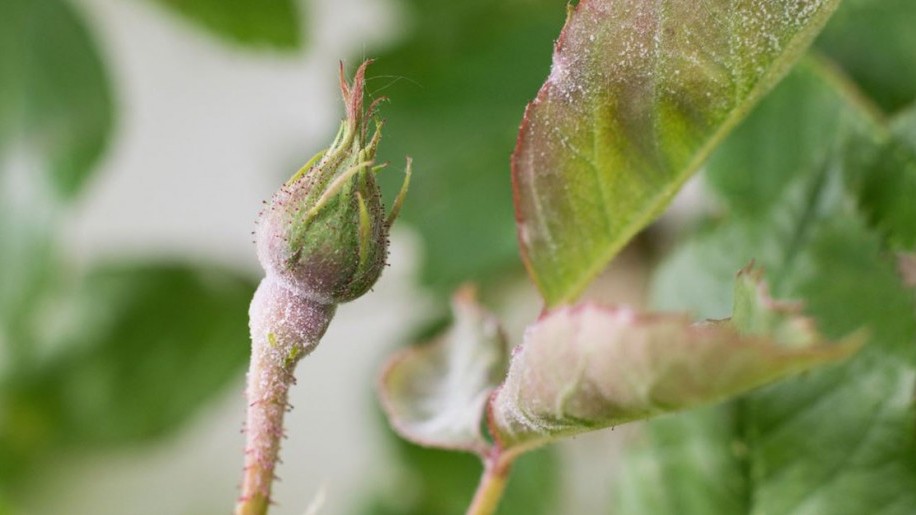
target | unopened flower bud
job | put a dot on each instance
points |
(324, 234)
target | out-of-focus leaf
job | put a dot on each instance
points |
(841, 441)
(587, 367)
(146, 346)
(638, 95)
(258, 23)
(874, 41)
(459, 82)
(887, 187)
(55, 101)
(663, 476)
(795, 129)
(28, 257)
(837, 440)
(435, 394)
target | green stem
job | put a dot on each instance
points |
(492, 484)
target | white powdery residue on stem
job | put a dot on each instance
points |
(284, 328)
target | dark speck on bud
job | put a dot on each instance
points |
(324, 234)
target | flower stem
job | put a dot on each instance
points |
(492, 484)
(284, 328)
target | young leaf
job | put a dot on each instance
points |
(589, 367)
(434, 395)
(265, 23)
(638, 95)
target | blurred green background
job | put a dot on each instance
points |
(137, 140)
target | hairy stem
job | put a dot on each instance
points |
(492, 484)
(284, 327)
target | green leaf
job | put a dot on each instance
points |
(638, 95)
(661, 474)
(887, 185)
(836, 440)
(144, 347)
(435, 394)
(28, 211)
(874, 41)
(458, 81)
(588, 367)
(257, 23)
(55, 102)
(841, 440)
(757, 162)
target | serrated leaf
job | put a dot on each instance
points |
(55, 100)
(257, 23)
(638, 95)
(862, 461)
(435, 394)
(836, 440)
(589, 367)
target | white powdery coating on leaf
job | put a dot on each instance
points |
(639, 91)
(435, 395)
(589, 366)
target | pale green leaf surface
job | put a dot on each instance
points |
(55, 100)
(257, 23)
(836, 440)
(435, 394)
(661, 474)
(589, 367)
(638, 95)
(841, 440)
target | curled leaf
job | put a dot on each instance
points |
(638, 95)
(435, 394)
(588, 367)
